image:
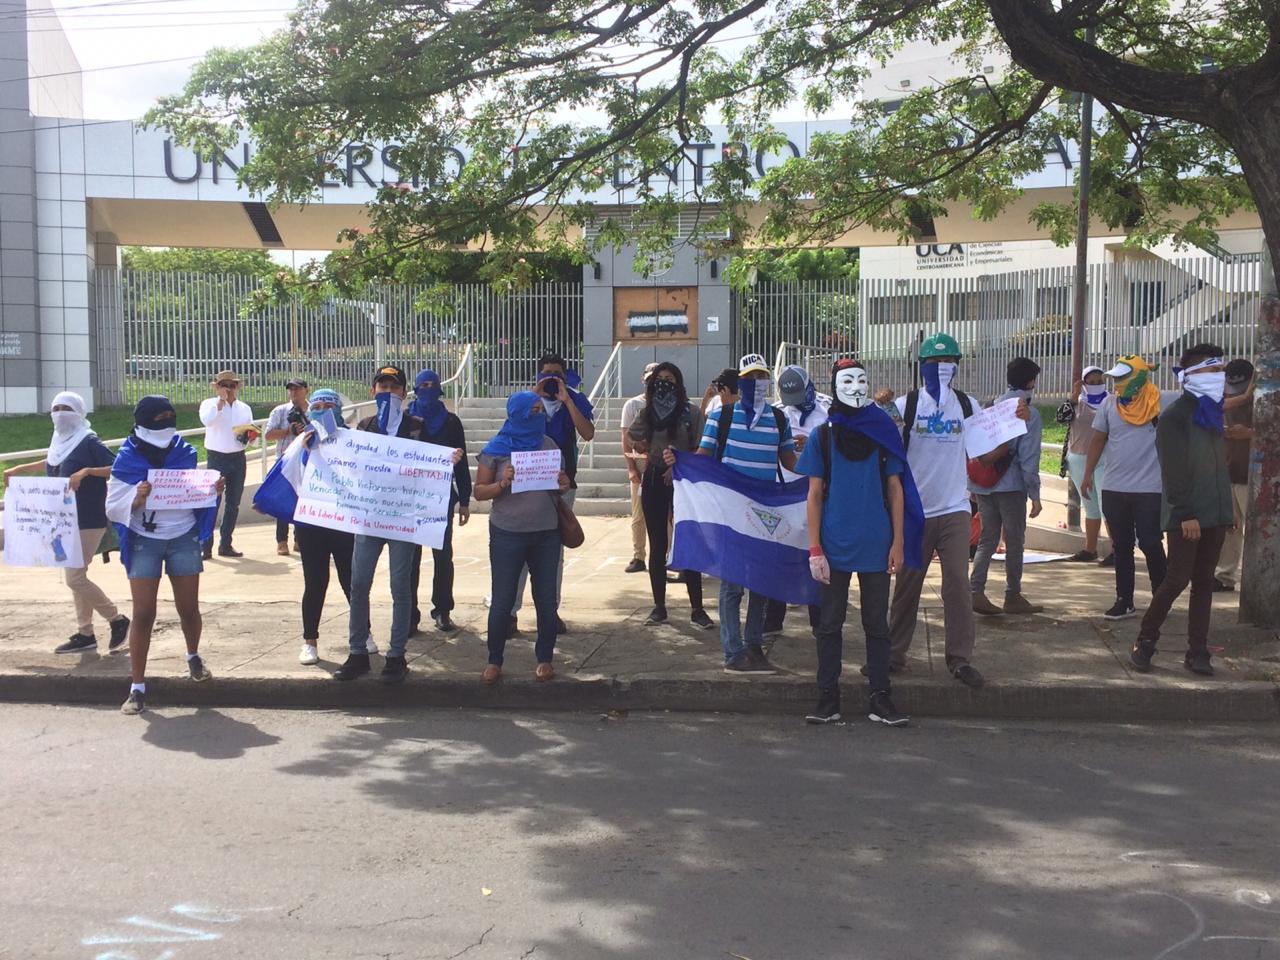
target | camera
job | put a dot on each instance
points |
(296, 417)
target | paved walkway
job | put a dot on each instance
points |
(1067, 662)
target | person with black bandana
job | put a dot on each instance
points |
(667, 422)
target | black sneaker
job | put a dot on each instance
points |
(356, 665)
(443, 623)
(656, 616)
(79, 643)
(1108, 561)
(968, 674)
(740, 664)
(561, 629)
(827, 710)
(197, 669)
(1198, 663)
(759, 662)
(883, 711)
(1140, 656)
(394, 670)
(1220, 587)
(1120, 611)
(635, 566)
(135, 704)
(700, 620)
(1083, 556)
(226, 550)
(119, 633)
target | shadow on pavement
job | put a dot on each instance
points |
(209, 734)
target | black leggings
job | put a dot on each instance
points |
(318, 546)
(655, 500)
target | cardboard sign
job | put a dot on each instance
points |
(40, 525)
(992, 426)
(380, 486)
(535, 470)
(182, 489)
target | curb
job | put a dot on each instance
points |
(1119, 701)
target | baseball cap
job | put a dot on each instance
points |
(793, 385)
(1121, 369)
(295, 382)
(1239, 372)
(391, 373)
(752, 362)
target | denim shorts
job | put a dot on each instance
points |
(181, 557)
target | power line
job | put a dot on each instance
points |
(158, 26)
(72, 73)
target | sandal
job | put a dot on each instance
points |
(544, 671)
(492, 674)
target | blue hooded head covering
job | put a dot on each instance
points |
(427, 403)
(524, 430)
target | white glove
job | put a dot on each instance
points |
(819, 569)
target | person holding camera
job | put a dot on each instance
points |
(283, 424)
(224, 446)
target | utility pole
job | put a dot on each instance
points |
(1080, 288)
(1260, 576)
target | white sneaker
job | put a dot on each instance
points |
(369, 646)
(308, 657)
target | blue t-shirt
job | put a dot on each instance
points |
(91, 498)
(856, 529)
(752, 451)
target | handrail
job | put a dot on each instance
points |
(465, 383)
(601, 386)
(594, 394)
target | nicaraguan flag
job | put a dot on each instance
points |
(742, 530)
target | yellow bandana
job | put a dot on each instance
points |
(1137, 398)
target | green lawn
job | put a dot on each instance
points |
(1054, 433)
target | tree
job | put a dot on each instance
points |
(249, 263)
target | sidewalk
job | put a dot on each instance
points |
(1065, 664)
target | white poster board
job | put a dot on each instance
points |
(40, 525)
(182, 489)
(535, 470)
(992, 426)
(385, 487)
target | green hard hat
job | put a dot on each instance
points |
(939, 345)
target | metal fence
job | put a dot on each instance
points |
(170, 332)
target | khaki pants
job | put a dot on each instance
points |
(639, 536)
(949, 536)
(88, 596)
(1229, 562)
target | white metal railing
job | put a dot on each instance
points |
(608, 386)
(462, 383)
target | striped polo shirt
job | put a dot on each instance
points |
(750, 450)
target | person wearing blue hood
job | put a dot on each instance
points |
(524, 531)
(865, 518)
(157, 542)
(440, 426)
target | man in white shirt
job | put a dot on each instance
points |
(635, 470)
(224, 445)
(284, 423)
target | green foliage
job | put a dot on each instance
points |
(249, 263)
(836, 263)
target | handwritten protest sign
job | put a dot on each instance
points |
(182, 489)
(992, 426)
(535, 470)
(40, 526)
(380, 486)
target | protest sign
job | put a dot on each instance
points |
(182, 489)
(535, 470)
(40, 526)
(380, 486)
(992, 426)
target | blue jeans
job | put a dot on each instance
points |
(180, 556)
(232, 466)
(730, 628)
(509, 553)
(364, 560)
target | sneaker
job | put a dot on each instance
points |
(1108, 561)
(309, 656)
(739, 664)
(282, 549)
(883, 711)
(394, 670)
(135, 704)
(226, 550)
(370, 647)
(827, 710)
(759, 662)
(1140, 656)
(657, 615)
(1198, 663)
(79, 643)
(356, 665)
(119, 634)
(1221, 587)
(197, 669)
(700, 620)
(1120, 611)
(443, 623)
(561, 629)
(635, 566)
(984, 606)
(968, 674)
(1019, 604)
(1083, 556)
(206, 551)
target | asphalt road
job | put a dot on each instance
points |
(200, 834)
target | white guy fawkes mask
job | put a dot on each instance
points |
(851, 387)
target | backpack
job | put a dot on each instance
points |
(725, 423)
(984, 471)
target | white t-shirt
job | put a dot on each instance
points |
(811, 423)
(936, 454)
(631, 409)
(165, 524)
(219, 425)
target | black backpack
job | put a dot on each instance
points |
(725, 424)
(913, 401)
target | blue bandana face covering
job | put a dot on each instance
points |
(937, 377)
(427, 402)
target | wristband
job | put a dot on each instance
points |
(816, 552)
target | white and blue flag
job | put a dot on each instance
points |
(742, 530)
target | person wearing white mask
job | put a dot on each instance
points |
(76, 453)
(1198, 510)
(1087, 395)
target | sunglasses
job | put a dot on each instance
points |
(228, 384)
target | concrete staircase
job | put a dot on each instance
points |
(603, 489)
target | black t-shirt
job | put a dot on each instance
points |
(91, 498)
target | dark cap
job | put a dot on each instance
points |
(154, 412)
(727, 379)
(295, 382)
(391, 373)
(1239, 372)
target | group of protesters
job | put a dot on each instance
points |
(887, 485)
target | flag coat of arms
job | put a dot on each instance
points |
(742, 530)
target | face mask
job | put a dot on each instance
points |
(428, 396)
(1095, 393)
(751, 397)
(664, 400)
(938, 377)
(851, 387)
(390, 406)
(157, 438)
(1211, 385)
(66, 422)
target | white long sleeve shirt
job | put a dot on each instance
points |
(219, 425)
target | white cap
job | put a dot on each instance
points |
(1119, 370)
(1088, 370)
(752, 362)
